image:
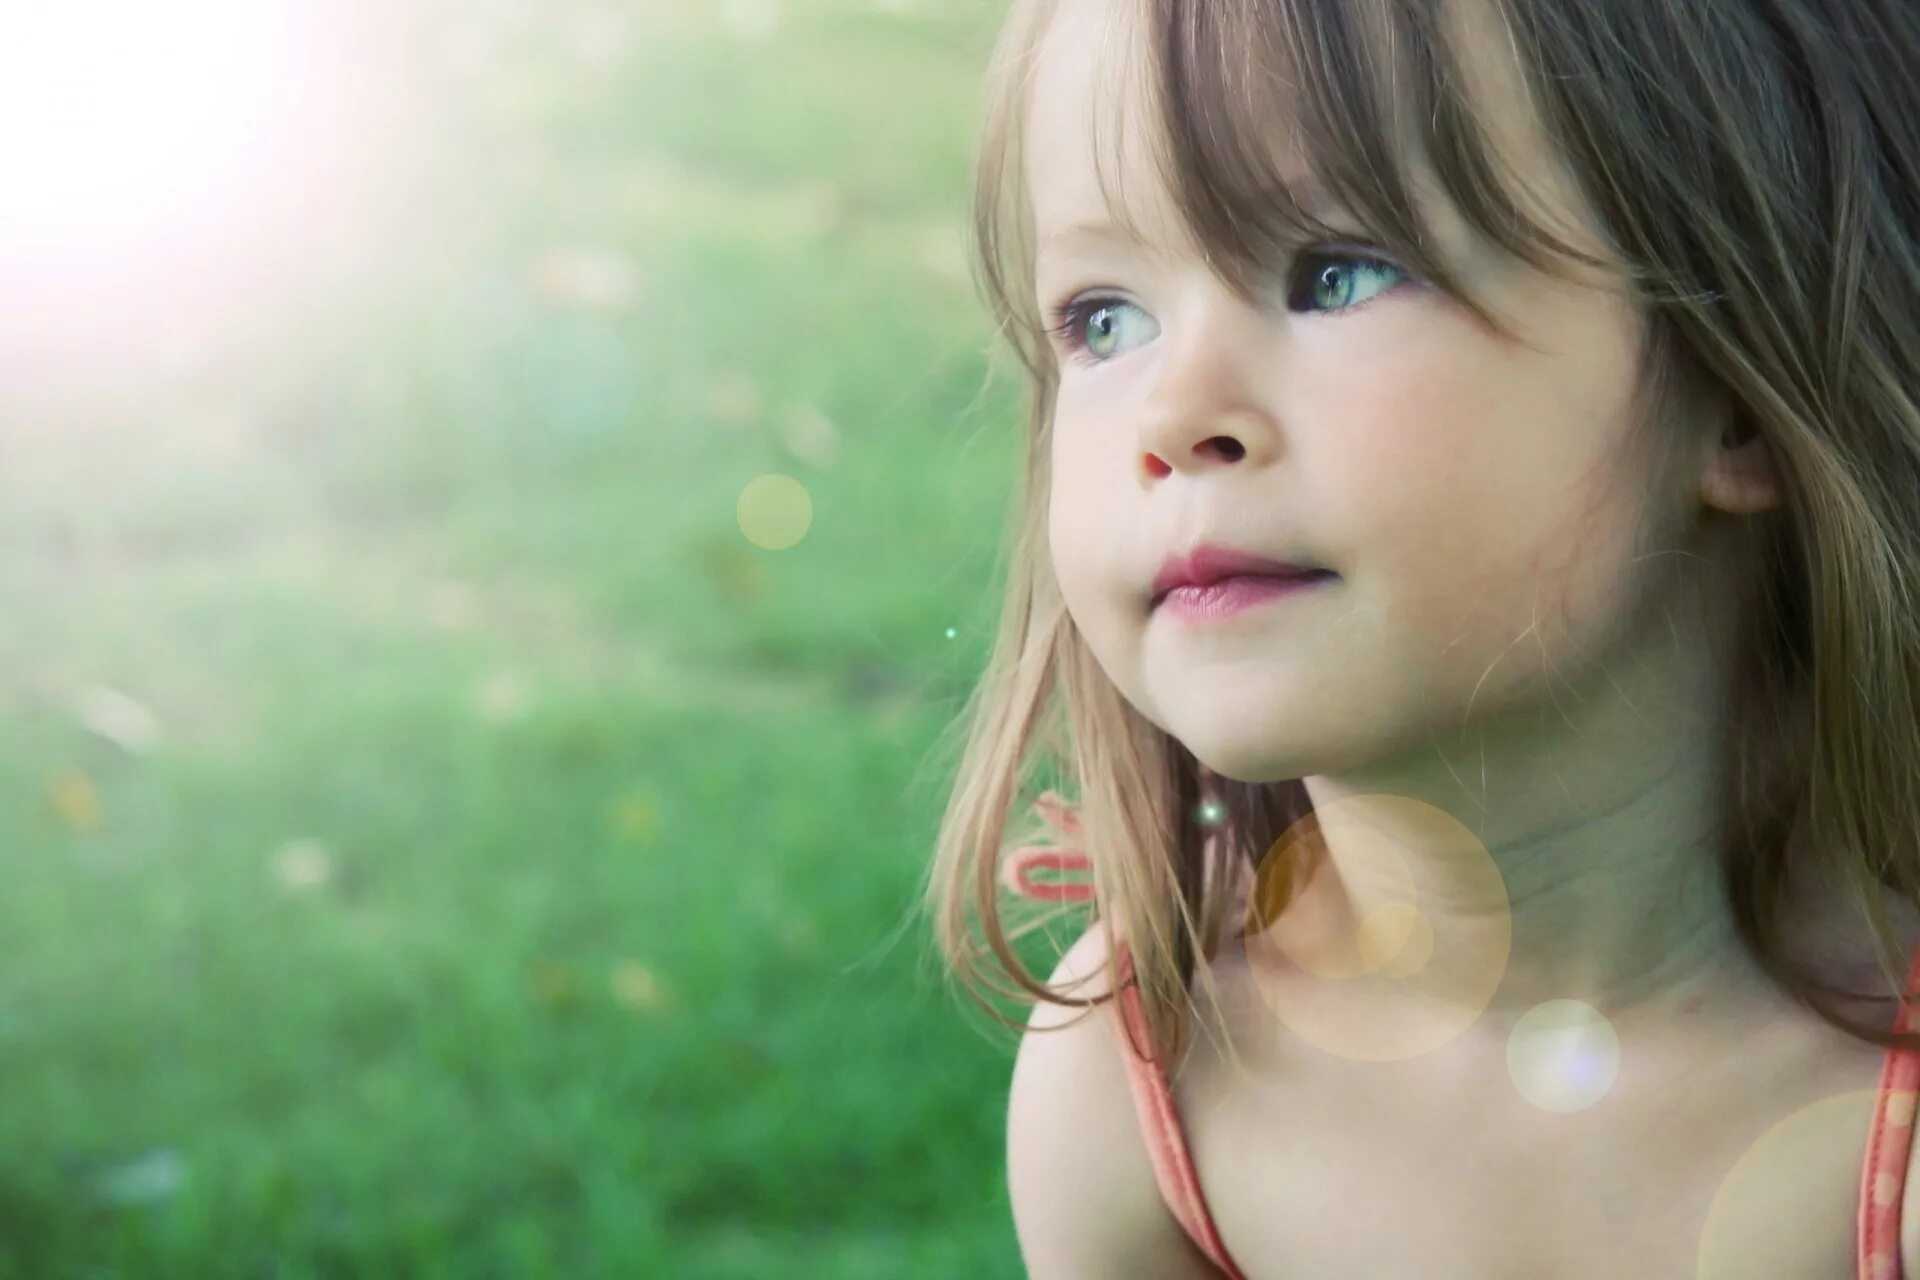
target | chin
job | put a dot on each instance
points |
(1242, 736)
(1250, 762)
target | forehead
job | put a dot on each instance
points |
(1090, 114)
(1089, 131)
(1087, 119)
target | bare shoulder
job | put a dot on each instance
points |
(1085, 1202)
(1858, 968)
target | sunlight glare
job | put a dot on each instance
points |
(122, 120)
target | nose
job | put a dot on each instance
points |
(1204, 405)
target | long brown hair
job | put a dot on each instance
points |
(1755, 165)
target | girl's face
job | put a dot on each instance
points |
(1470, 493)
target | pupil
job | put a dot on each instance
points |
(1329, 279)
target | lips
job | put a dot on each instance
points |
(1208, 564)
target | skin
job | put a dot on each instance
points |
(1529, 641)
(1529, 637)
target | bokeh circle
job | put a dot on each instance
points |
(1408, 977)
(1767, 1186)
(775, 512)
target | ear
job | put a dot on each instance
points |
(1739, 476)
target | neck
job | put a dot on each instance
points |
(1562, 852)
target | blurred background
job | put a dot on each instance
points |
(498, 503)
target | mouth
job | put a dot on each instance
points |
(1209, 563)
(1255, 585)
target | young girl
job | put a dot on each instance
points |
(1468, 569)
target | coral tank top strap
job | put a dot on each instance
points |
(1153, 1102)
(1889, 1144)
(1153, 1099)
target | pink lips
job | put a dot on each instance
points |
(1208, 563)
(1213, 581)
(1230, 596)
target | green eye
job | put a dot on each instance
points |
(1341, 276)
(1090, 327)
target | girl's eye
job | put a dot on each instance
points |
(1338, 286)
(1336, 280)
(1099, 319)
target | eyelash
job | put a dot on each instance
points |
(1067, 318)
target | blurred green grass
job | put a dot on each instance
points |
(441, 844)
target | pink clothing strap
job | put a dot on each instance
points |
(1173, 1165)
(1153, 1098)
(1883, 1177)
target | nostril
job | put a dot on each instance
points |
(1232, 448)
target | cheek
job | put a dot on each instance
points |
(1480, 501)
(1088, 476)
(1080, 543)
(1071, 504)
(1430, 472)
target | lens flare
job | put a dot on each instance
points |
(122, 121)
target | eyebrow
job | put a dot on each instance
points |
(1095, 231)
(1312, 199)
